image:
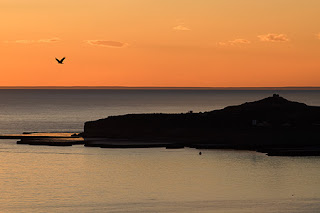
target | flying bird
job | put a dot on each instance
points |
(60, 61)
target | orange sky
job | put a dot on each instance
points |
(203, 43)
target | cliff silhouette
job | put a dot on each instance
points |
(273, 122)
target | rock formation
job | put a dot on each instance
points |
(272, 122)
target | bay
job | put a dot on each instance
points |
(63, 179)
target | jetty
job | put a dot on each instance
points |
(47, 139)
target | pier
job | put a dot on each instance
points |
(45, 139)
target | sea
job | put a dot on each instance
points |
(83, 179)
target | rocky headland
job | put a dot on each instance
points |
(272, 125)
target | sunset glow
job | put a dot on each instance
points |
(169, 43)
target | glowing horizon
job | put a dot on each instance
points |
(160, 43)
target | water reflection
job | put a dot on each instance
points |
(42, 179)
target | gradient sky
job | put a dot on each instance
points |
(203, 43)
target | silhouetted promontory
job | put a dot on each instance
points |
(270, 125)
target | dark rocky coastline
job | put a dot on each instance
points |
(272, 125)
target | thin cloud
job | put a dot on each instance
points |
(181, 28)
(318, 36)
(25, 41)
(272, 37)
(47, 40)
(240, 41)
(222, 43)
(105, 43)
(234, 42)
(50, 40)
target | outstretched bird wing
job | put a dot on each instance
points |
(62, 59)
(58, 60)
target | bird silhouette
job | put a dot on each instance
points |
(60, 61)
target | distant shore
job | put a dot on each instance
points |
(159, 88)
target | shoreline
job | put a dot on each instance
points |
(60, 139)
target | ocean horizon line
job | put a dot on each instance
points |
(161, 88)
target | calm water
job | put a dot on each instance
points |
(64, 179)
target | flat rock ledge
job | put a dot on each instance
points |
(45, 139)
